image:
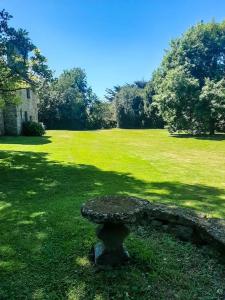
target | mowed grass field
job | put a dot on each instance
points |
(44, 241)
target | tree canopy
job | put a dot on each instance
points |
(64, 101)
(21, 63)
(190, 81)
(133, 105)
(68, 102)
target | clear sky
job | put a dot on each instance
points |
(115, 41)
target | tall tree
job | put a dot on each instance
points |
(211, 106)
(66, 102)
(129, 105)
(194, 64)
(134, 106)
(21, 63)
(111, 93)
(153, 117)
(49, 104)
(101, 115)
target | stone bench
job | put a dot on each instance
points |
(116, 213)
(113, 214)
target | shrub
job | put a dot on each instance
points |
(33, 129)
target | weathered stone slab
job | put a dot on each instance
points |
(114, 209)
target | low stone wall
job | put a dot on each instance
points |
(186, 225)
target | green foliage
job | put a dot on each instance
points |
(33, 129)
(49, 104)
(189, 83)
(66, 102)
(134, 106)
(74, 96)
(111, 93)
(153, 117)
(101, 115)
(211, 106)
(129, 105)
(21, 63)
(177, 97)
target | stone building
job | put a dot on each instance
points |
(12, 116)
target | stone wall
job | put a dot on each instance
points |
(26, 110)
(2, 127)
(186, 225)
(10, 119)
(29, 105)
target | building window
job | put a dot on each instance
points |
(31, 118)
(28, 93)
(25, 116)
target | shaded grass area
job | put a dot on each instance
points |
(44, 242)
(24, 140)
(216, 137)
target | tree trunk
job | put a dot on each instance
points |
(212, 127)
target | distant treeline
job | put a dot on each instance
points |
(69, 103)
(186, 93)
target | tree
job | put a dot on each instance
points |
(178, 95)
(141, 84)
(66, 102)
(153, 117)
(49, 104)
(194, 64)
(211, 106)
(101, 115)
(74, 98)
(21, 63)
(111, 93)
(134, 106)
(129, 105)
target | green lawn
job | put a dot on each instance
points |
(44, 241)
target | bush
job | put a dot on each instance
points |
(33, 129)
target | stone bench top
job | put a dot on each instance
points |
(114, 209)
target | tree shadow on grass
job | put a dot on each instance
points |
(25, 140)
(44, 239)
(215, 137)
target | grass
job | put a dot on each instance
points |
(44, 241)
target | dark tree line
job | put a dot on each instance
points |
(68, 102)
(134, 107)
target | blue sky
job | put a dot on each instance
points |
(115, 41)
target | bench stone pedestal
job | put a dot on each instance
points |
(111, 250)
(113, 214)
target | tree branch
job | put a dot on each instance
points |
(12, 90)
